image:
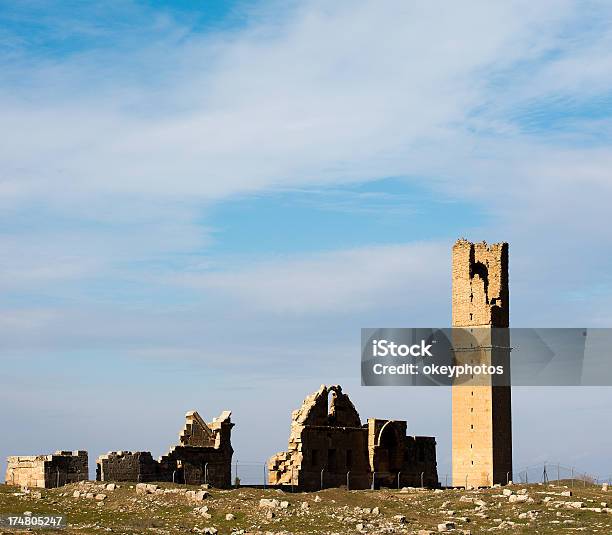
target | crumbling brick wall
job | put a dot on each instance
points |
(47, 471)
(400, 460)
(136, 466)
(420, 458)
(203, 455)
(328, 445)
(326, 442)
(196, 432)
(196, 465)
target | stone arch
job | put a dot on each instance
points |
(389, 449)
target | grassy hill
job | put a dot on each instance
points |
(172, 509)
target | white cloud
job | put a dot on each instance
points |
(350, 281)
(425, 90)
(124, 144)
(375, 93)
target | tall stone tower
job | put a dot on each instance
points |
(482, 421)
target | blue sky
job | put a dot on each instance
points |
(202, 202)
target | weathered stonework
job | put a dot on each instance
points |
(203, 455)
(327, 441)
(136, 466)
(481, 412)
(47, 471)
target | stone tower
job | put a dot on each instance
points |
(481, 419)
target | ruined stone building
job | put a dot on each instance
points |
(47, 471)
(203, 455)
(328, 440)
(481, 410)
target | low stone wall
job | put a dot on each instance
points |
(136, 466)
(195, 466)
(47, 471)
(192, 465)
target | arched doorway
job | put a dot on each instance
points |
(389, 450)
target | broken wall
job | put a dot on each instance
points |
(47, 471)
(203, 455)
(328, 445)
(400, 460)
(326, 440)
(136, 466)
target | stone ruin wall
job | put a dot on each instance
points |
(203, 455)
(331, 438)
(398, 459)
(480, 292)
(198, 465)
(420, 458)
(136, 466)
(316, 430)
(47, 471)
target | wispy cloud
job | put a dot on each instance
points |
(342, 281)
(374, 95)
(170, 119)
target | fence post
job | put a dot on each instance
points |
(322, 470)
(348, 483)
(422, 474)
(173, 476)
(507, 478)
(265, 474)
(373, 480)
(57, 482)
(398, 480)
(206, 473)
(446, 480)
